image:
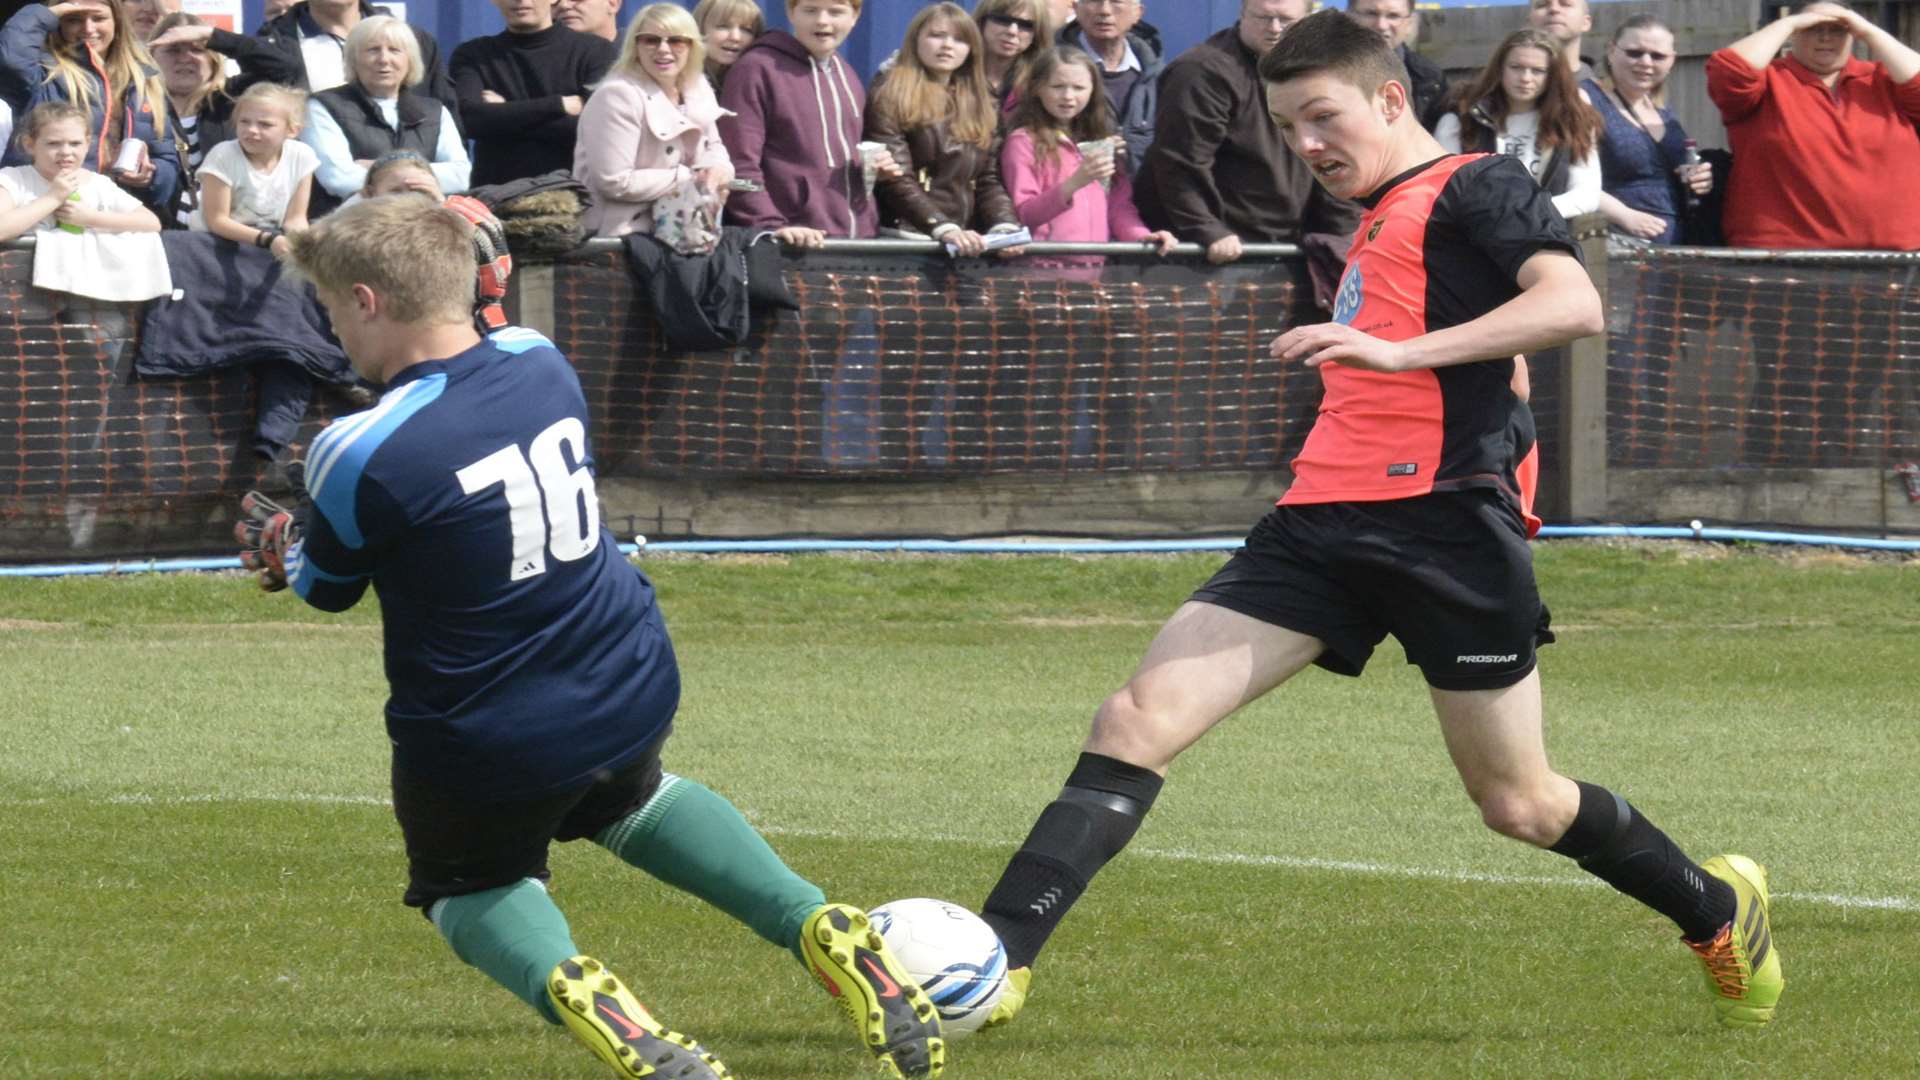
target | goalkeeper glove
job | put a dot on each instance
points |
(265, 534)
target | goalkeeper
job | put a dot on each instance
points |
(532, 682)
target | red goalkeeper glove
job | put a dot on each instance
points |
(265, 534)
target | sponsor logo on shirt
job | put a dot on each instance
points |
(1405, 468)
(1347, 303)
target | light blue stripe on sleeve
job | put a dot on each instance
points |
(339, 460)
(302, 575)
(515, 340)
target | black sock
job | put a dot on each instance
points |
(1613, 842)
(1092, 819)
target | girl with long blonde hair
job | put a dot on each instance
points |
(87, 53)
(936, 115)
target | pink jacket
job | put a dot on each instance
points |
(1093, 215)
(635, 145)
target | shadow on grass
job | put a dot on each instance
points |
(335, 1072)
(762, 1053)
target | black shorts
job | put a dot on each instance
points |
(1448, 574)
(456, 845)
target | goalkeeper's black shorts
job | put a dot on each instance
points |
(458, 845)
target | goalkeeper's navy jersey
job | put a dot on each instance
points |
(523, 652)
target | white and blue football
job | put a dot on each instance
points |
(957, 959)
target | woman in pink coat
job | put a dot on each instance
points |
(650, 129)
(1060, 193)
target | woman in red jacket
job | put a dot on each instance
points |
(1824, 146)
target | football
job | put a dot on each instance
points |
(956, 958)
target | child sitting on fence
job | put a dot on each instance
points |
(92, 237)
(1058, 164)
(255, 187)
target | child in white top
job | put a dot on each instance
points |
(93, 239)
(54, 191)
(254, 188)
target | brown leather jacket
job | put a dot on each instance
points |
(946, 180)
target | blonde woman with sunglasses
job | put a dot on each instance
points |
(651, 128)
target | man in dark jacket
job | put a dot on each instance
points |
(1129, 65)
(1219, 173)
(1394, 21)
(315, 33)
(521, 91)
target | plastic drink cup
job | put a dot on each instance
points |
(870, 152)
(1097, 146)
(132, 152)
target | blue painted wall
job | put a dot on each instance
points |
(882, 25)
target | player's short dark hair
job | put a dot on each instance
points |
(1328, 42)
(412, 251)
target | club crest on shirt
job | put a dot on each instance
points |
(1346, 304)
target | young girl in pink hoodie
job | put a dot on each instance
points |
(1059, 193)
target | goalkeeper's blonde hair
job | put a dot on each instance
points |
(414, 253)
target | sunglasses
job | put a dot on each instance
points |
(1646, 54)
(1026, 26)
(654, 41)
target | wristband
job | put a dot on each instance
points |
(267, 237)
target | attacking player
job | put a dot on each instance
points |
(532, 682)
(1405, 518)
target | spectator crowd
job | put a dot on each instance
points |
(973, 128)
(1059, 120)
(1061, 117)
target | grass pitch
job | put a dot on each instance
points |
(202, 878)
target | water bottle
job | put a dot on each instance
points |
(67, 226)
(1689, 158)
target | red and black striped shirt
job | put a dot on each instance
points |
(1440, 245)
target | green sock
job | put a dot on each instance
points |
(697, 841)
(514, 934)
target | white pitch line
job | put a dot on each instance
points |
(1216, 858)
(1302, 862)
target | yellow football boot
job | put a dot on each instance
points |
(600, 1011)
(1011, 999)
(893, 1015)
(1743, 967)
